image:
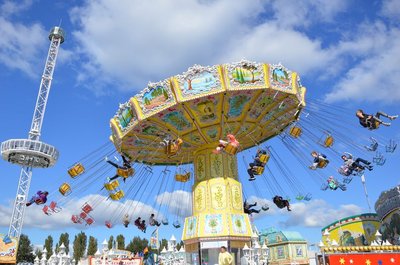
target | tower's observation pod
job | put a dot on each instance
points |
(29, 153)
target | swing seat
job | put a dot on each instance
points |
(391, 147)
(65, 189)
(173, 148)
(264, 158)
(165, 221)
(75, 219)
(108, 224)
(323, 163)
(347, 179)
(295, 132)
(329, 140)
(231, 149)
(258, 170)
(324, 186)
(117, 196)
(46, 210)
(125, 173)
(308, 197)
(379, 159)
(300, 197)
(7, 240)
(83, 215)
(182, 177)
(89, 221)
(76, 170)
(177, 224)
(265, 207)
(111, 185)
(87, 208)
(54, 208)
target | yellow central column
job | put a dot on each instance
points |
(217, 203)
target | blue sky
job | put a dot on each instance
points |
(346, 53)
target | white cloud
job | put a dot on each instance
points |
(104, 210)
(317, 213)
(374, 76)
(179, 202)
(391, 9)
(134, 42)
(21, 46)
(303, 12)
(9, 8)
(314, 213)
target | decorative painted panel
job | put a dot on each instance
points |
(237, 103)
(198, 80)
(238, 224)
(155, 97)
(232, 167)
(280, 77)
(200, 198)
(216, 165)
(245, 75)
(218, 196)
(125, 116)
(236, 197)
(201, 167)
(213, 224)
(191, 227)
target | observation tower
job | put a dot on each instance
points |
(31, 152)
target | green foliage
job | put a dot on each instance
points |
(163, 243)
(92, 248)
(48, 245)
(120, 242)
(111, 242)
(79, 246)
(25, 250)
(39, 254)
(179, 245)
(64, 238)
(137, 244)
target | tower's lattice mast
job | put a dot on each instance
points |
(31, 152)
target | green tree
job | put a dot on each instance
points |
(111, 242)
(137, 244)
(39, 254)
(163, 243)
(79, 246)
(25, 250)
(179, 245)
(92, 248)
(64, 239)
(120, 242)
(48, 245)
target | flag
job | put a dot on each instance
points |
(154, 239)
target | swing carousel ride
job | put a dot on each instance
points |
(189, 131)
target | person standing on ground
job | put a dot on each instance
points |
(224, 258)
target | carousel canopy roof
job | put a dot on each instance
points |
(253, 101)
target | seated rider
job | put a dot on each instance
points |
(257, 163)
(153, 221)
(39, 198)
(222, 144)
(126, 220)
(356, 165)
(318, 157)
(126, 165)
(333, 184)
(143, 226)
(172, 145)
(372, 121)
(248, 207)
(281, 203)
